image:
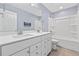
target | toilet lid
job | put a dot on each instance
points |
(54, 40)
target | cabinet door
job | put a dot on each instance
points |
(24, 52)
(35, 47)
(36, 53)
(44, 48)
(14, 47)
(49, 43)
(49, 47)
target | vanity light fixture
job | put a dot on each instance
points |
(61, 7)
(33, 4)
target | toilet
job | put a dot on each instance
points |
(54, 44)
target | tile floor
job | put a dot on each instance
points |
(63, 52)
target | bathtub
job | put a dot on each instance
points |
(68, 43)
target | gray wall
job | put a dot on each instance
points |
(65, 12)
(44, 17)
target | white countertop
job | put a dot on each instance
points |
(14, 38)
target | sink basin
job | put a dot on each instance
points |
(23, 35)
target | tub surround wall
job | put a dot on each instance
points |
(61, 19)
(67, 19)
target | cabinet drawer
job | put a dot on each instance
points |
(14, 47)
(44, 48)
(35, 40)
(44, 38)
(25, 52)
(35, 47)
(49, 47)
(44, 42)
(44, 53)
(36, 53)
(44, 45)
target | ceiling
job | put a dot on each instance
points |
(53, 7)
(27, 7)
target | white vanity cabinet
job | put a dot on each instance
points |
(14, 47)
(36, 52)
(44, 47)
(46, 44)
(34, 46)
(24, 52)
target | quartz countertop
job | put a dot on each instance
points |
(15, 38)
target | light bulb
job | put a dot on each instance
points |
(32, 4)
(61, 7)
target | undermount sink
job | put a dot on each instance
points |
(22, 35)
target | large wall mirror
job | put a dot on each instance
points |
(8, 21)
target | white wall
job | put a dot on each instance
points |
(61, 27)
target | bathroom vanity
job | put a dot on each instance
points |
(29, 44)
